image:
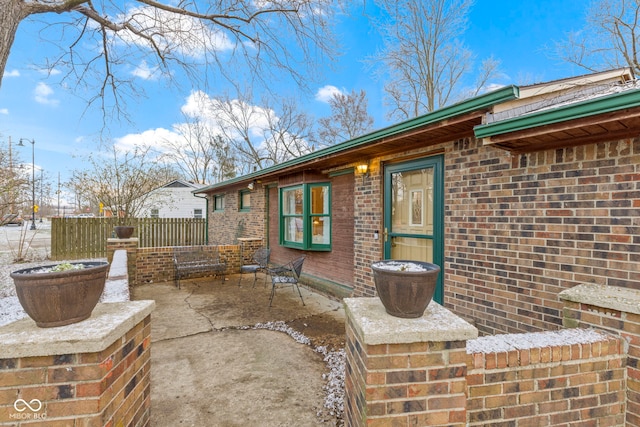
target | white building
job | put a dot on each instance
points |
(174, 200)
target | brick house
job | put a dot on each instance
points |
(517, 194)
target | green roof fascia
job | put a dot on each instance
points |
(486, 100)
(591, 107)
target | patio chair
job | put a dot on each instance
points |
(286, 275)
(260, 263)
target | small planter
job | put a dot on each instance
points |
(63, 297)
(405, 287)
(124, 231)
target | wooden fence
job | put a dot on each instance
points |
(75, 238)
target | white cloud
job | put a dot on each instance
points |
(196, 105)
(150, 138)
(212, 114)
(49, 71)
(4, 111)
(43, 95)
(12, 73)
(325, 93)
(144, 72)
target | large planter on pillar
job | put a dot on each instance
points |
(60, 294)
(124, 231)
(405, 287)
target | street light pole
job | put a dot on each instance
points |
(33, 179)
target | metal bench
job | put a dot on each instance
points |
(203, 260)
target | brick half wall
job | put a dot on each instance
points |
(97, 373)
(435, 371)
(581, 380)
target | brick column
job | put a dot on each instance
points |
(616, 310)
(92, 373)
(131, 246)
(405, 372)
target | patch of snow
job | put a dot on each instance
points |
(334, 388)
(115, 291)
(282, 327)
(399, 266)
(509, 342)
(10, 310)
(63, 266)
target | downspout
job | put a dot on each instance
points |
(206, 229)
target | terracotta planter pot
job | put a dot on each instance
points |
(60, 298)
(124, 231)
(406, 293)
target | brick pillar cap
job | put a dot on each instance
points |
(375, 326)
(108, 322)
(611, 297)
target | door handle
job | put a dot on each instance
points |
(386, 234)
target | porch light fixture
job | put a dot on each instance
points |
(363, 169)
(251, 185)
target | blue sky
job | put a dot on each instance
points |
(33, 106)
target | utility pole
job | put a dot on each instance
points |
(58, 193)
(41, 182)
(12, 177)
(33, 179)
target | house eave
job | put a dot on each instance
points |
(579, 110)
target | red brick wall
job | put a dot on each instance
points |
(107, 388)
(522, 228)
(227, 226)
(549, 386)
(336, 265)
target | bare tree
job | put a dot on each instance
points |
(258, 136)
(610, 39)
(423, 60)
(287, 135)
(349, 118)
(13, 185)
(201, 155)
(121, 181)
(99, 41)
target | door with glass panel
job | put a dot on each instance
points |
(414, 213)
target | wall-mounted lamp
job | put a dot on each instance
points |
(363, 169)
(251, 185)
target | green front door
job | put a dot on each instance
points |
(414, 213)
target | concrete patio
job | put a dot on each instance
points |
(211, 366)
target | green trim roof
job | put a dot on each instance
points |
(578, 110)
(487, 100)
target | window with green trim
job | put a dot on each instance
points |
(305, 217)
(245, 200)
(218, 203)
